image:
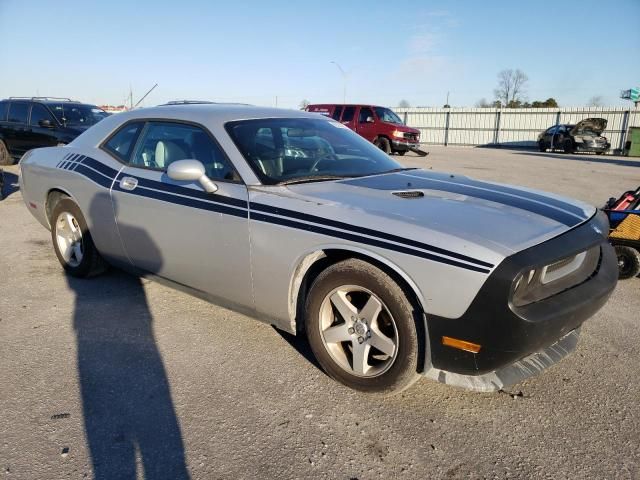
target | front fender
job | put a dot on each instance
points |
(308, 258)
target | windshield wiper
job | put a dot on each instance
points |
(314, 178)
(394, 170)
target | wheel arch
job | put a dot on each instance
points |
(54, 195)
(312, 263)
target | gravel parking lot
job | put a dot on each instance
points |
(115, 377)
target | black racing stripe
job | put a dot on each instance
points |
(358, 239)
(192, 198)
(187, 202)
(365, 231)
(168, 187)
(505, 199)
(536, 197)
(100, 167)
(94, 176)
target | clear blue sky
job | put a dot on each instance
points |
(254, 51)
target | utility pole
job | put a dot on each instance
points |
(145, 95)
(344, 81)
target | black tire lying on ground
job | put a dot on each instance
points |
(628, 261)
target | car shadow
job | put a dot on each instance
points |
(129, 416)
(10, 184)
(607, 159)
(301, 345)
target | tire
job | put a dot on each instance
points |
(5, 157)
(387, 342)
(567, 146)
(628, 262)
(383, 144)
(69, 232)
(541, 146)
(400, 153)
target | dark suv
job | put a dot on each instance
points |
(27, 123)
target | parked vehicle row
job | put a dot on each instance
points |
(34, 122)
(296, 220)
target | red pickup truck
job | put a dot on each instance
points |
(379, 125)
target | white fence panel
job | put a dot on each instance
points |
(510, 127)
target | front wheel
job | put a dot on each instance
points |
(383, 144)
(541, 146)
(567, 146)
(400, 153)
(72, 241)
(628, 262)
(362, 329)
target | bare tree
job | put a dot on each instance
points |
(304, 104)
(403, 104)
(511, 87)
(482, 103)
(596, 101)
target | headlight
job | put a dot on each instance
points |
(534, 284)
(398, 133)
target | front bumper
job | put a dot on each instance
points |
(404, 145)
(512, 338)
(593, 147)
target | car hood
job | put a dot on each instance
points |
(596, 125)
(443, 208)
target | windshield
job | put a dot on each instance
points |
(387, 115)
(77, 115)
(299, 149)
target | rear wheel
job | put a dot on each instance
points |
(72, 241)
(628, 262)
(5, 157)
(383, 144)
(361, 328)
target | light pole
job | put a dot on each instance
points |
(344, 81)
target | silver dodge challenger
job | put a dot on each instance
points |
(392, 273)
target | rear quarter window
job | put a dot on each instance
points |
(121, 143)
(18, 112)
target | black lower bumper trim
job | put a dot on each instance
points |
(507, 333)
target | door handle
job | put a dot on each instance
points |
(128, 183)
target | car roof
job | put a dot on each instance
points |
(211, 115)
(218, 112)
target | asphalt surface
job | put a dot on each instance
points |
(115, 377)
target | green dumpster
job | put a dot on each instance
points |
(634, 138)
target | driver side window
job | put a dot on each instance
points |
(162, 143)
(365, 113)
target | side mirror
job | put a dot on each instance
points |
(191, 171)
(370, 120)
(45, 124)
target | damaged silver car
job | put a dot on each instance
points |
(392, 273)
